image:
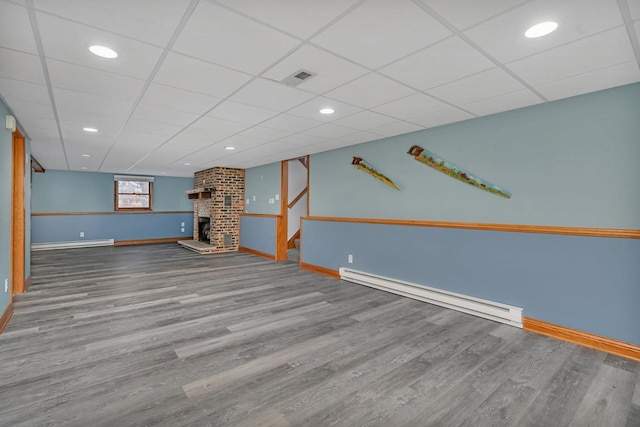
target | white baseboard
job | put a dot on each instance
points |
(69, 245)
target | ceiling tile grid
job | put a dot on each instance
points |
(194, 77)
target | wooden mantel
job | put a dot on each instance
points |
(200, 193)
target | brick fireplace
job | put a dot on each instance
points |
(221, 206)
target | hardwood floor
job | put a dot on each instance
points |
(159, 335)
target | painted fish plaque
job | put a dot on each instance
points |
(432, 160)
(365, 167)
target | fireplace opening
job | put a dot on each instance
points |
(204, 229)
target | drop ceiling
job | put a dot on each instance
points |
(196, 76)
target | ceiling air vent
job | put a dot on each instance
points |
(298, 77)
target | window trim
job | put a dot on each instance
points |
(116, 193)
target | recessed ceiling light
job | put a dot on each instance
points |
(90, 130)
(103, 52)
(86, 155)
(541, 29)
(229, 148)
(327, 111)
(187, 164)
(84, 168)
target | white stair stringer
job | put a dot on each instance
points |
(495, 311)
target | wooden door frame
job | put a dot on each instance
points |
(282, 225)
(282, 222)
(18, 215)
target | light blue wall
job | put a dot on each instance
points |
(586, 283)
(168, 194)
(64, 191)
(67, 228)
(573, 162)
(258, 233)
(263, 182)
(5, 208)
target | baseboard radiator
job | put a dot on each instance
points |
(69, 245)
(498, 312)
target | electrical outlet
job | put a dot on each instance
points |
(82, 234)
(277, 197)
(254, 198)
(350, 258)
(182, 225)
(247, 201)
(6, 285)
(182, 230)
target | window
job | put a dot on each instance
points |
(133, 192)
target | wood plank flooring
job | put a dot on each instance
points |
(159, 335)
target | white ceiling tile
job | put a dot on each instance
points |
(164, 115)
(503, 37)
(154, 127)
(396, 128)
(214, 129)
(139, 141)
(75, 150)
(364, 121)
(300, 18)
(72, 131)
(290, 123)
(479, 86)
(442, 117)
(18, 90)
(178, 99)
(328, 131)
(444, 62)
(634, 8)
(199, 76)
(23, 109)
(328, 145)
(241, 142)
(360, 35)
(15, 28)
(184, 144)
(50, 155)
(602, 78)
(464, 13)
(601, 50)
(311, 109)
(44, 134)
(21, 66)
(243, 113)
(33, 124)
(411, 105)
(357, 138)
(331, 70)
(70, 103)
(370, 91)
(265, 134)
(270, 95)
(637, 28)
(130, 18)
(69, 42)
(293, 141)
(82, 79)
(508, 101)
(210, 29)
